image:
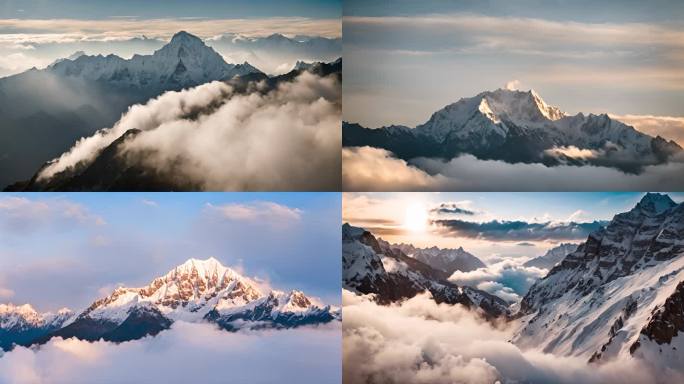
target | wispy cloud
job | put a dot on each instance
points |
(20, 215)
(256, 212)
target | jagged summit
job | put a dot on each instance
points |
(655, 203)
(183, 62)
(518, 127)
(606, 298)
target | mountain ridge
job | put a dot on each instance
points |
(518, 127)
(194, 291)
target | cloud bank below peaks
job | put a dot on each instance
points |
(284, 139)
(187, 352)
(420, 341)
(373, 169)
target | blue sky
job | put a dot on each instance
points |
(405, 60)
(69, 249)
(99, 9)
(389, 215)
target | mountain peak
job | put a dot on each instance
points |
(656, 202)
(183, 36)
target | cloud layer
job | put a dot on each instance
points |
(502, 230)
(285, 139)
(507, 279)
(373, 169)
(186, 353)
(423, 342)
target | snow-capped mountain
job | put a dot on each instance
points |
(370, 266)
(619, 294)
(195, 291)
(22, 324)
(448, 260)
(517, 126)
(552, 257)
(184, 62)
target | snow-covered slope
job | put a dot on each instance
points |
(20, 324)
(448, 260)
(552, 257)
(184, 62)
(195, 291)
(516, 126)
(619, 294)
(370, 266)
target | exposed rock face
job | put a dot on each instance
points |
(370, 266)
(619, 293)
(667, 321)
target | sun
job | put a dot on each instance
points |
(416, 218)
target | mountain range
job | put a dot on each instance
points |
(448, 260)
(370, 266)
(518, 127)
(45, 111)
(620, 294)
(195, 291)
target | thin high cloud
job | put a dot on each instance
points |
(257, 211)
(22, 215)
(610, 66)
(167, 356)
(26, 31)
(373, 169)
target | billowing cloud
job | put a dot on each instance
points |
(572, 152)
(424, 342)
(257, 211)
(669, 127)
(284, 139)
(507, 279)
(185, 353)
(504, 230)
(513, 85)
(22, 215)
(373, 169)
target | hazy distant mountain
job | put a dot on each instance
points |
(195, 291)
(518, 127)
(552, 257)
(447, 259)
(370, 266)
(620, 293)
(45, 111)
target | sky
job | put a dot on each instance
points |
(405, 60)
(481, 222)
(67, 250)
(36, 33)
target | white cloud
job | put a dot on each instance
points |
(508, 279)
(260, 211)
(23, 214)
(186, 353)
(669, 127)
(373, 169)
(513, 85)
(424, 342)
(149, 203)
(286, 139)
